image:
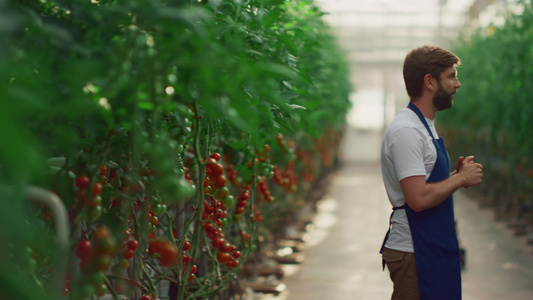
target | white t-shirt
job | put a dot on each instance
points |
(407, 150)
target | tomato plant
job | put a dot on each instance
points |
(171, 134)
(497, 131)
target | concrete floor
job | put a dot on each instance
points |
(341, 254)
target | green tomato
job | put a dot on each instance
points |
(188, 131)
(181, 139)
(86, 290)
(224, 222)
(159, 209)
(228, 201)
(96, 278)
(94, 213)
(185, 189)
(179, 148)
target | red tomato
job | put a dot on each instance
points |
(218, 182)
(223, 257)
(224, 247)
(215, 169)
(215, 156)
(209, 228)
(218, 242)
(246, 236)
(82, 182)
(97, 189)
(232, 263)
(129, 254)
(186, 259)
(186, 245)
(241, 203)
(245, 195)
(167, 251)
(133, 245)
(194, 269)
(103, 170)
(83, 250)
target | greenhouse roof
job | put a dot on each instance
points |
(382, 31)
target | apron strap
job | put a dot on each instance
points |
(388, 231)
(421, 117)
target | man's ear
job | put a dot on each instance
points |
(430, 82)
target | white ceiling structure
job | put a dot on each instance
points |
(376, 35)
(377, 31)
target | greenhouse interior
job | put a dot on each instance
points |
(266, 149)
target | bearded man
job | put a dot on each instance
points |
(421, 249)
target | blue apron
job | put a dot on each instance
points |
(434, 236)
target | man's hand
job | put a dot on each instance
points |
(472, 171)
(459, 164)
(421, 195)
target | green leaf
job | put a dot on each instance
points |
(277, 71)
(144, 105)
(271, 17)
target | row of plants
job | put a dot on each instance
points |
(493, 113)
(178, 137)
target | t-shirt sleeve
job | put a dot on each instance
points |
(406, 150)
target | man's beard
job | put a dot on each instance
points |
(442, 99)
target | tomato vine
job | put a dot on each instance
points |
(175, 133)
(494, 109)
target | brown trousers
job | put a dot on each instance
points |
(402, 268)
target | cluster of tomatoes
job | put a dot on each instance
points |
(288, 179)
(153, 220)
(214, 174)
(90, 196)
(263, 189)
(233, 175)
(307, 159)
(129, 246)
(96, 256)
(241, 204)
(262, 154)
(186, 260)
(215, 211)
(98, 249)
(227, 253)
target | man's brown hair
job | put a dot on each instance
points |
(424, 60)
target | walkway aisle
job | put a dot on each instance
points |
(341, 256)
(341, 259)
(499, 265)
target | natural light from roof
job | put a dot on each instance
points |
(376, 35)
